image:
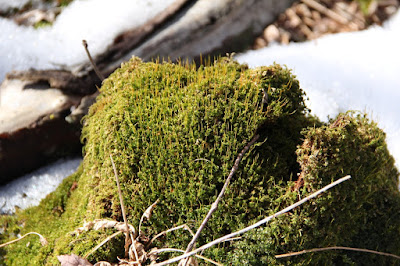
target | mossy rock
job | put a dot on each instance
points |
(174, 132)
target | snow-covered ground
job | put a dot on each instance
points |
(359, 71)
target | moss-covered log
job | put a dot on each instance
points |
(174, 131)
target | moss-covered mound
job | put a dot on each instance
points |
(363, 212)
(174, 132)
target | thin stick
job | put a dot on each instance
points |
(101, 244)
(43, 240)
(184, 226)
(263, 221)
(129, 233)
(336, 248)
(180, 250)
(98, 73)
(221, 194)
(326, 11)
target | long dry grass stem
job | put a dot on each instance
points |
(129, 233)
(336, 248)
(261, 222)
(221, 194)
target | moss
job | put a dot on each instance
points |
(174, 131)
(42, 24)
(364, 5)
(363, 212)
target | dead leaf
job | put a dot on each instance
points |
(102, 224)
(73, 260)
(150, 209)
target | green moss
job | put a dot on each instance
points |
(364, 5)
(363, 212)
(174, 131)
(42, 24)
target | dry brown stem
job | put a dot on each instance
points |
(184, 226)
(156, 251)
(326, 11)
(261, 222)
(103, 224)
(98, 73)
(221, 194)
(147, 214)
(101, 244)
(42, 240)
(336, 248)
(129, 233)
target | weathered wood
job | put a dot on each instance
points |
(212, 28)
(186, 30)
(63, 80)
(32, 127)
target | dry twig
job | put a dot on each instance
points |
(336, 248)
(101, 244)
(221, 194)
(184, 226)
(156, 251)
(261, 222)
(326, 11)
(42, 240)
(129, 233)
(98, 73)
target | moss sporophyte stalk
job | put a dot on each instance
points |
(174, 131)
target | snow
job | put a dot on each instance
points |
(347, 71)
(339, 72)
(96, 21)
(9, 4)
(29, 189)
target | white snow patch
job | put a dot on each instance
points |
(30, 189)
(9, 4)
(348, 71)
(96, 21)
